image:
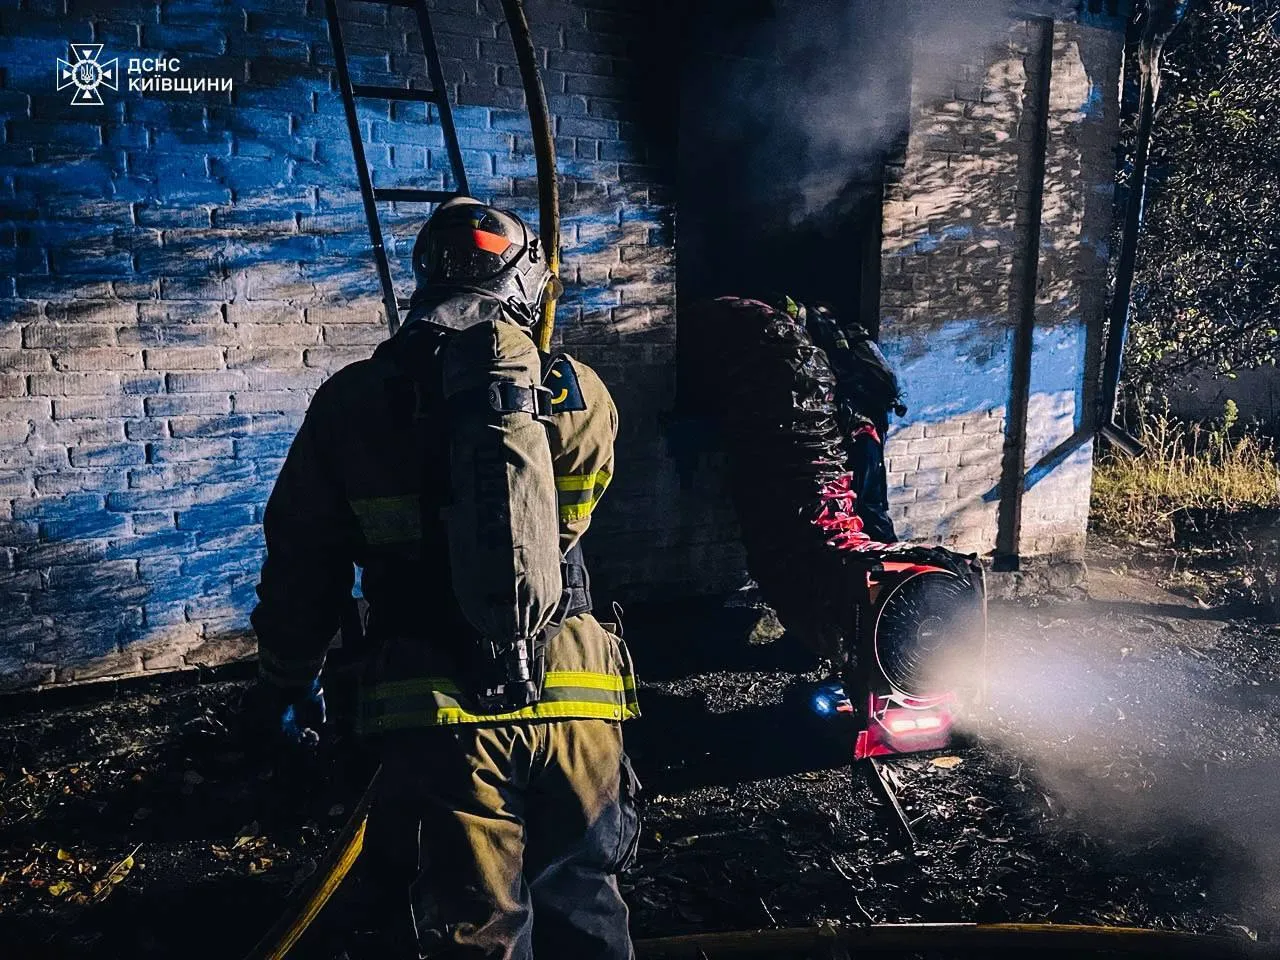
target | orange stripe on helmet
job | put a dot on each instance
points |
(491, 242)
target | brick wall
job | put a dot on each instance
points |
(957, 234)
(178, 272)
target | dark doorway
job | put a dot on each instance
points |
(787, 111)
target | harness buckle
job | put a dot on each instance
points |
(506, 396)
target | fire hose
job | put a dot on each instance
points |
(544, 150)
(307, 902)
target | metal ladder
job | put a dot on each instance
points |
(437, 95)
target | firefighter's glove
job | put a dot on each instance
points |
(298, 714)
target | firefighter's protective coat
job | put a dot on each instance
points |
(366, 482)
(501, 519)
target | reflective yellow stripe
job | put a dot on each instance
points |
(583, 481)
(557, 709)
(579, 493)
(584, 678)
(575, 511)
(433, 701)
(385, 520)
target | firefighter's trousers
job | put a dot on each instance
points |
(523, 829)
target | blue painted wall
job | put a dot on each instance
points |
(179, 271)
(959, 243)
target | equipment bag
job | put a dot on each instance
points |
(502, 521)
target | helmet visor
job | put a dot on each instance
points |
(464, 254)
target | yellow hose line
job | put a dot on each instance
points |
(954, 938)
(549, 308)
(321, 896)
(544, 151)
(306, 905)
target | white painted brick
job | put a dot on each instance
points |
(25, 360)
(263, 312)
(906, 465)
(184, 358)
(936, 461)
(278, 334)
(73, 384)
(96, 359)
(278, 401)
(927, 445)
(89, 408)
(220, 381)
(945, 428)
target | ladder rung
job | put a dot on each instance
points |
(413, 195)
(394, 93)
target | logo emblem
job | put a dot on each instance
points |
(86, 74)
(566, 392)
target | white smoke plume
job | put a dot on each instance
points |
(812, 93)
(1143, 743)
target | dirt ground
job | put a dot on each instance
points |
(1126, 770)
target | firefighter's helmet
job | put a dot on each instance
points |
(466, 245)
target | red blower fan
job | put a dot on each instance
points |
(919, 650)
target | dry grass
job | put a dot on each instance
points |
(1215, 467)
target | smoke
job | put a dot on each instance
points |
(1138, 744)
(806, 97)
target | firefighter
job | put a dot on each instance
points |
(523, 809)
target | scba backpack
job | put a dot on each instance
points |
(502, 518)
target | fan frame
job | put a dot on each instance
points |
(876, 701)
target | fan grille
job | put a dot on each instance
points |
(923, 623)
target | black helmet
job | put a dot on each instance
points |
(467, 245)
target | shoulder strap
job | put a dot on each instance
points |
(577, 582)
